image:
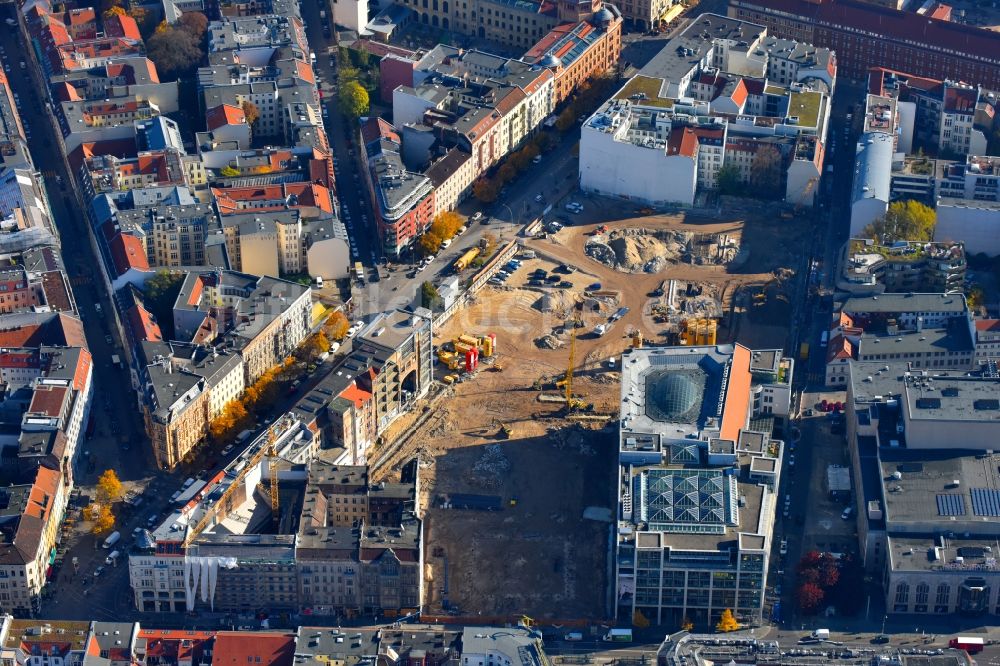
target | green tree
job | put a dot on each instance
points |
(905, 220)
(229, 172)
(728, 180)
(429, 297)
(175, 52)
(161, 292)
(251, 111)
(353, 100)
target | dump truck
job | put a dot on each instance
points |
(463, 262)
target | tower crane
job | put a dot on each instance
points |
(222, 504)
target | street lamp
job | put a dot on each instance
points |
(510, 210)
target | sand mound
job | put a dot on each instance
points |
(637, 250)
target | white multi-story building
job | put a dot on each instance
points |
(735, 99)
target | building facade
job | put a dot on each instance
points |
(686, 433)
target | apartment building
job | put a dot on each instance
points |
(987, 334)
(342, 414)
(46, 400)
(397, 349)
(929, 330)
(865, 35)
(868, 269)
(578, 52)
(691, 428)
(356, 548)
(35, 279)
(697, 106)
(404, 199)
(172, 236)
(257, 33)
(231, 328)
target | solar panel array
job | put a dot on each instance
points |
(951, 504)
(986, 502)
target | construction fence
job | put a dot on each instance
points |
(478, 281)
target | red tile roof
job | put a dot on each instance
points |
(376, 128)
(991, 325)
(127, 253)
(81, 16)
(740, 94)
(357, 395)
(224, 114)
(122, 26)
(143, 325)
(839, 348)
(251, 648)
(273, 197)
(682, 142)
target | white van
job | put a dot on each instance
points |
(318, 281)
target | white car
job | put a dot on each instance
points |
(225, 451)
(784, 547)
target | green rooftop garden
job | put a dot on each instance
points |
(648, 90)
(805, 105)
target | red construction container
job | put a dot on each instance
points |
(493, 337)
(471, 360)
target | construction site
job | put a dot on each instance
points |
(517, 453)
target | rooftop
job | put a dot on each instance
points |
(685, 51)
(908, 302)
(940, 491)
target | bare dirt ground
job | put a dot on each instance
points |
(551, 469)
(538, 555)
(768, 246)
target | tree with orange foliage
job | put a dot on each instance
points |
(113, 11)
(336, 326)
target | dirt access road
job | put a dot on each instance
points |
(768, 247)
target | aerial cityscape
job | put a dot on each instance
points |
(499, 332)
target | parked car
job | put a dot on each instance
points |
(784, 547)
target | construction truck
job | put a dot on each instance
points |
(463, 262)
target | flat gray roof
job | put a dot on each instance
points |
(928, 492)
(909, 302)
(673, 61)
(951, 396)
(942, 553)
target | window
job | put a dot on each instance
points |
(902, 593)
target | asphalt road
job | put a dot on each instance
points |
(118, 441)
